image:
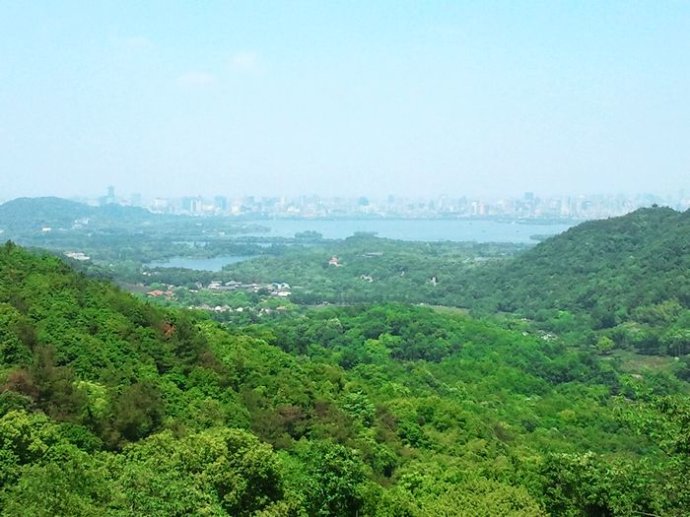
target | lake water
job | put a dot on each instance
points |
(200, 264)
(433, 230)
(477, 230)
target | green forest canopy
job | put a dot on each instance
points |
(110, 405)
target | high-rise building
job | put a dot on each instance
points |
(220, 203)
(109, 198)
(192, 205)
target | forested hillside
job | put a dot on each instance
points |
(112, 406)
(34, 214)
(31, 214)
(367, 269)
(625, 278)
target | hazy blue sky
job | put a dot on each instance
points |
(327, 97)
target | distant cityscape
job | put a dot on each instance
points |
(528, 206)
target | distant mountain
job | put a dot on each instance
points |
(623, 270)
(24, 214)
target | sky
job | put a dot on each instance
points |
(490, 98)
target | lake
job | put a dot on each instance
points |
(433, 230)
(213, 264)
(479, 230)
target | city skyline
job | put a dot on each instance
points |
(529, 205)
(93, 195)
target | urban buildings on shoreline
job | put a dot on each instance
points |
(527, 206)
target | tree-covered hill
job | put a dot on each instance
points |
(31, 214)
(112, 406)
(627, 277)
(368, 269)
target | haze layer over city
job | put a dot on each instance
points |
(344, 99)
(528, 206)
